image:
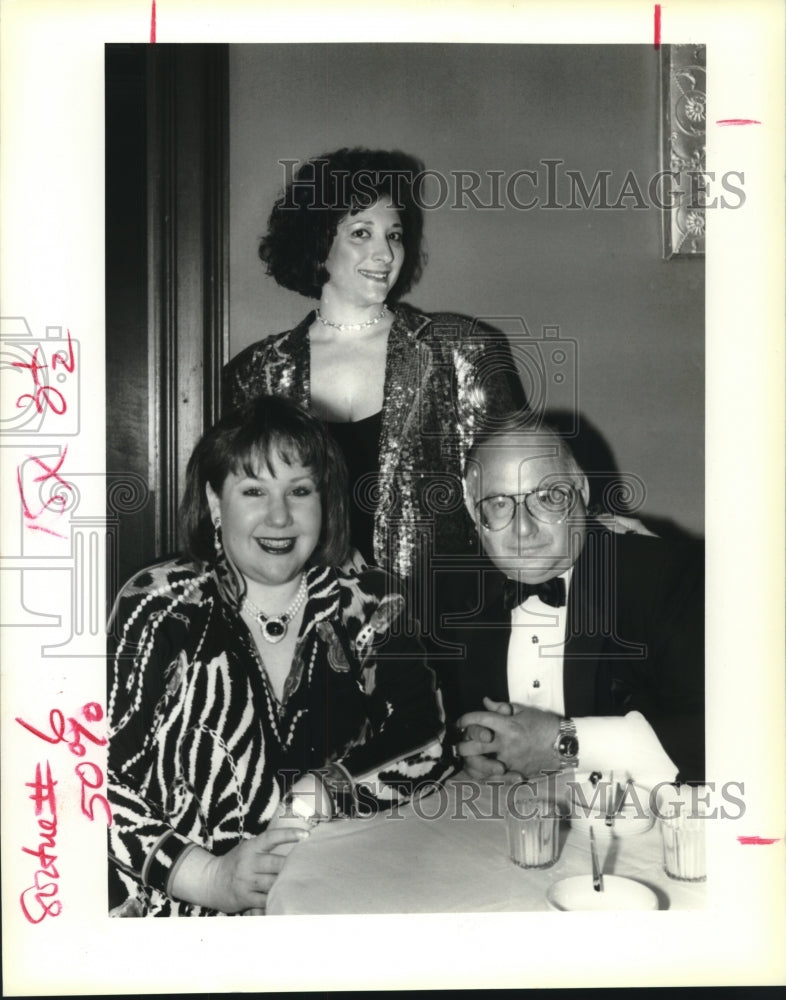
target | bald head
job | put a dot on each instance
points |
(524, 445)
(549, 492)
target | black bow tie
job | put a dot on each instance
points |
(550, 592)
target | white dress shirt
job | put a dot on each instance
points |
(625, 744)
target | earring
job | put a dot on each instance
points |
(228, 578)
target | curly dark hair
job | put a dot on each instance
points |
(321, 193)
(238, 442)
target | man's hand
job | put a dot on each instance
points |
(477, 764)
(522, 739)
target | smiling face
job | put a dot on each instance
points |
(527, 549)
(270, 521)
(366, 256)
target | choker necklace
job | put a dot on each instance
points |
(274, 628)
(352, 326)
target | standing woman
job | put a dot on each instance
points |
(404, 393)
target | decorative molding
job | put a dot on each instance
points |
(683, 148)
(188, 250)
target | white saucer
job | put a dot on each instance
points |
(578, 893)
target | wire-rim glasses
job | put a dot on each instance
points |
(550, 506)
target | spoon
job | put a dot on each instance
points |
(619, 798)
(597, 877)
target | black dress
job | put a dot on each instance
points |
(359, 444)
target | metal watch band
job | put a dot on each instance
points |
(567, 743)
(340, 788)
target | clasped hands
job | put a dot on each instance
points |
(508, 739)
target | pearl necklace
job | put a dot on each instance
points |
(274, 628)
(352, 326)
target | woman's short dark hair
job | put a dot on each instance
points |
(243, 438)
(304, 220)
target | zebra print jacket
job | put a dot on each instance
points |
(200, 749)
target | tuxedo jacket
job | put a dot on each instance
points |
(634, 639)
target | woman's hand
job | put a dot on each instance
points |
(237, 881)
(242, 878)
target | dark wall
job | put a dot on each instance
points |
(127, 347)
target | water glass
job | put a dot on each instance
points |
(532, 822)
(682, 818)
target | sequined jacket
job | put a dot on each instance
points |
(446, 376)
(200, 748)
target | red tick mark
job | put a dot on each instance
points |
(153, 24)
(657, 25)
(737, 121)
(758, 841)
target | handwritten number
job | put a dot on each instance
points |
(68, 363)
(43, 392)
(98, 776)
(93, 712)
(58, 724)
(56, 721)
(46, 394)
(76, 746)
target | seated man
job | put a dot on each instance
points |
(574, 645)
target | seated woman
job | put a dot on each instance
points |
(246, 669)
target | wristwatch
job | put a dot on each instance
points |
(567, 744)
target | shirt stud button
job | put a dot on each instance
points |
(535, 639)
(536, 684)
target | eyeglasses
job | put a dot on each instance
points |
(550, 506)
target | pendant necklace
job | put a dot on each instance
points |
(274, 627)
(352, 326)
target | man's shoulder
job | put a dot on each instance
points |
(644, 550)
(640, 568)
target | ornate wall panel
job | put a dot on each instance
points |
(684, 137)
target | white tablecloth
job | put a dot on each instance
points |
(407, 862)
